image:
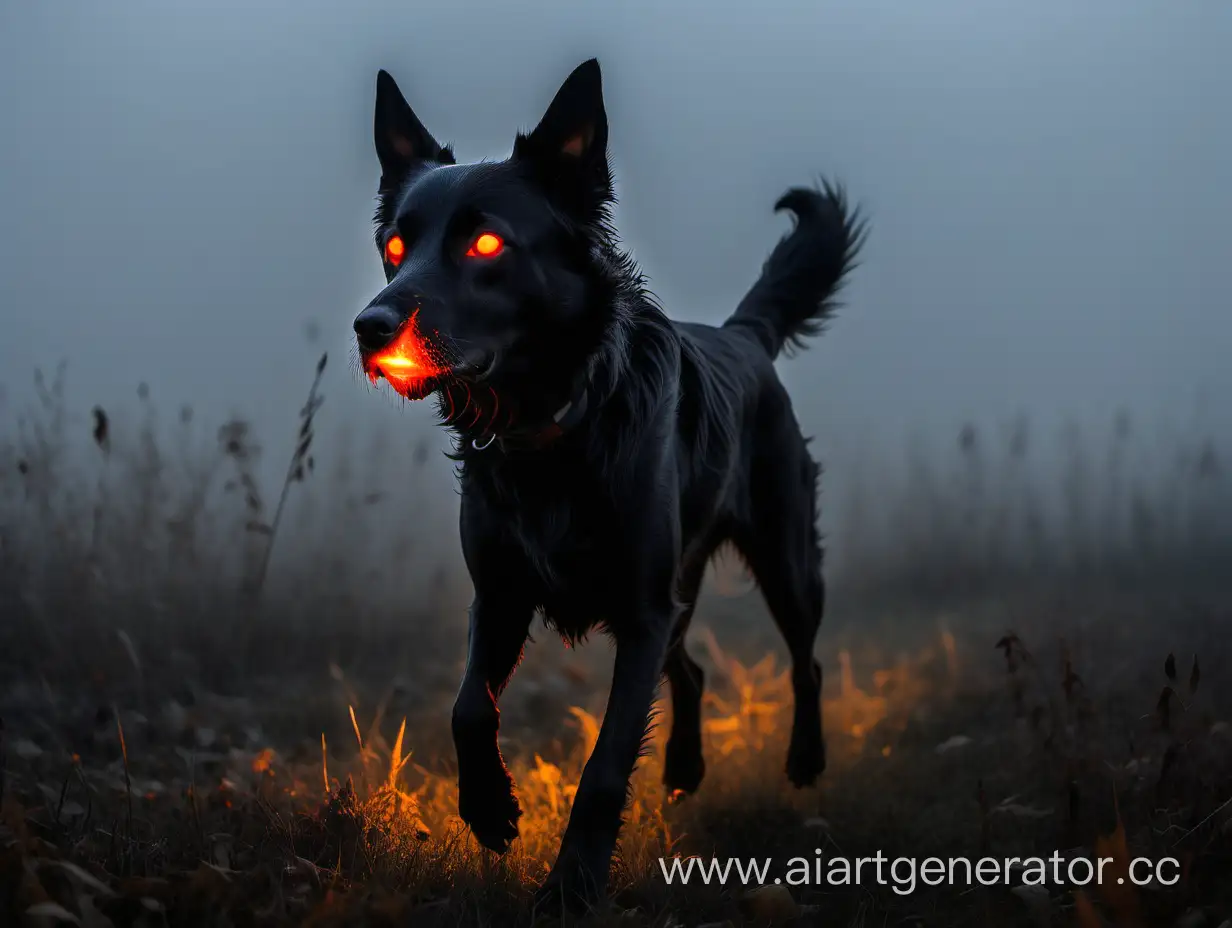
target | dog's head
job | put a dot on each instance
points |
(490, 266)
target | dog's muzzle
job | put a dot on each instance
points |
(376, 326)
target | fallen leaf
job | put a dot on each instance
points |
(1021, 811)
(222, 857)
(771, 903)
(1037, 900)
(82, 878)
(51, 913)
(950, 744)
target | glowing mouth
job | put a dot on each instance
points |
(406, 363)
(404, 367)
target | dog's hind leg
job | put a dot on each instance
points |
(782, 546)
(684, 765)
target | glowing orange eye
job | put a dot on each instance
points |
(487, 245)
(395, 248)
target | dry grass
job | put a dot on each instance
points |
(178, 751)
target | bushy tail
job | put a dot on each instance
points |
(794, 297)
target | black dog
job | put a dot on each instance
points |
(605, 451)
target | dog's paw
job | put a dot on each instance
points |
(491, 811)
(683, 769)
(497, 835)
(806, 759)
(575, 886)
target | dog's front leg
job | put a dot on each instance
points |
(580, 874)
(486, 801)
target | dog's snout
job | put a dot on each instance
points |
(376, 326)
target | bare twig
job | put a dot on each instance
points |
(301, 464)
(128, 783)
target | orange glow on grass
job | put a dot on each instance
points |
(263, 762)
(407, 362)
(399, 803)
(487, 245)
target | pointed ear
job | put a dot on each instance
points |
(567, 151)
(401, 139)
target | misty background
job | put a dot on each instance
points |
(186, 194)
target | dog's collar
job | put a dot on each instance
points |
(565, 418)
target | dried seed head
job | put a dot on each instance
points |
(102, 429)
(235, 438)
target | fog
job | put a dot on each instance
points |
(184, 187)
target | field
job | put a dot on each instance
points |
(195, 733)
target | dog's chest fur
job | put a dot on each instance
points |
(555, 516)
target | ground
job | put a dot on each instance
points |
(134, 796)
(177, 749)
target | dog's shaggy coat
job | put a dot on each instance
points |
(604, 450)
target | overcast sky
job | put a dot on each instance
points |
(184, 186)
